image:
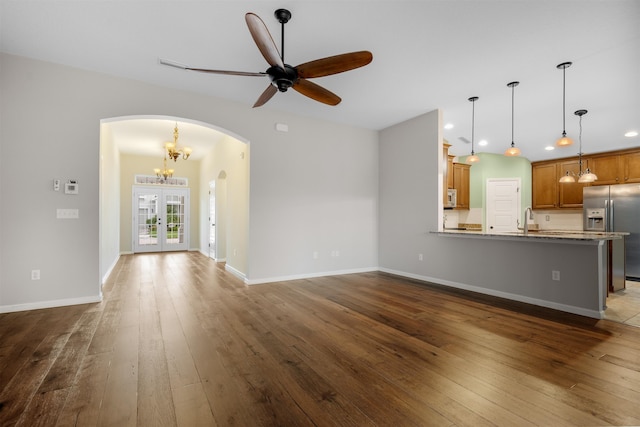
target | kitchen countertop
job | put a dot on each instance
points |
(565, 236)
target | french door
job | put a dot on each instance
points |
(160, 219)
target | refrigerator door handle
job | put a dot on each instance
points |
(611, 210)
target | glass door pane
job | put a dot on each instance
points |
(175, 220)
(147, 221)
(161, 219)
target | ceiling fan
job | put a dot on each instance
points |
(283, 76)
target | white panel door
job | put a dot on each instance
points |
(160, 219)
(212, 220)
(503, 204)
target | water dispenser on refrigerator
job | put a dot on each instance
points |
(594, 220)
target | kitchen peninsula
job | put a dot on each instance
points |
(584, 293)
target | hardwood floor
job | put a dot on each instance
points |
(179, 341)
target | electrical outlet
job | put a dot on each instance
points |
(315, 255)
(35, 274)
(419, 257)
(555, 275)
(547, 218)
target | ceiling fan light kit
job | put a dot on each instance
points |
(283, 76)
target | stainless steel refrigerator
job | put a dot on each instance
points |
(616, 208)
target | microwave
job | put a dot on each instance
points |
(451, 198)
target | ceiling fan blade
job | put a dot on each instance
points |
(316, 92)
(266, 95)
(206, 70)
(263, 40)
(334, 64)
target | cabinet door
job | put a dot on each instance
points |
(450, 169)
(631, 167)
(545, 186)
(461, 184)
(570, 193)
(607, 168)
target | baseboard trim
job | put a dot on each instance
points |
(595, 314)
(50, 304)
(309, 276)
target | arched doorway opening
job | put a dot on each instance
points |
(134, 145)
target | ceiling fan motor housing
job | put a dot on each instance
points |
(283, 79)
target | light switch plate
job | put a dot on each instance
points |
(67, 213)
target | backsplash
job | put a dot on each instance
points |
(554, 220)
(543, 220)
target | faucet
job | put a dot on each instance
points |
(526, 220)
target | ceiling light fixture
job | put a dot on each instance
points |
(173, 150)
(587, 175)
(513, 150)
(564, 141)
(631, 134)
(164, 173)
(473, 158)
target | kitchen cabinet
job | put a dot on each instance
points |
(570, 193)
(631, 167)
(447, 172)
(619, 168)
(461, 172)
(450, 168)
(544, 177)
(616, 167)
(548, 192)
(609, 169)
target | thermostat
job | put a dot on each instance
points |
(71, 187)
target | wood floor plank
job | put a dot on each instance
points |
(180, 341)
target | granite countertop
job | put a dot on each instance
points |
(566, 235)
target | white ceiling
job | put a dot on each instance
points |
(147, 136)
(426, 54)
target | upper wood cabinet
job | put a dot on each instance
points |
(612, 168)
(619, 168)
(570, 194)
(446, 172)
(544, 177)
(631, 167)
(609, 169)
(461, 173)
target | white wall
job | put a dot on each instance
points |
(313, 189)
(228, 166)
(109, 203)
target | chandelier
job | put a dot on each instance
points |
(164, 173)
(587, 175)
(173, 150)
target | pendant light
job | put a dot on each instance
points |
(587, 175)
(564, 141)
(473, 158)
(513, 150)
